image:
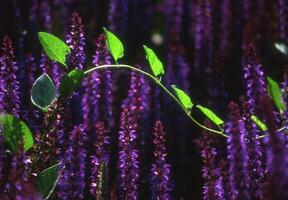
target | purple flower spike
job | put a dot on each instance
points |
(237, 155)
(213, 187)
(160, 170)
(9, 84)
(283, 17)
(72, 176)
(98, 161)
(128, 157)
(254, 78)
(76, 41)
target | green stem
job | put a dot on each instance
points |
(162, 86)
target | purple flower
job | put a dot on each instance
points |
(255, 154)
(128, 157)
(9, 84)
(237, 155)
(72, 175)
(253, 78)
(99, 161)
(160, 169)
(283, 17)
(213, 187)
(41, 12)
(277, 162)
(76, 41)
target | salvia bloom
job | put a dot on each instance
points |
(41, 12)
(237, 155)
(277, 163)
(9, 84)
(213, 187)
(253, 78)
(160, 169)
(72, 174)
(118, 16)
(255, 154)
(128, 157)
(99, 160)
(283, 17)
(76, 41)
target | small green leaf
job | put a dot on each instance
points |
(183, 97)
(275, 91)
(15, 130)
(282, 48)
(114, 45)
(154, 62)
(47, 181)
(259, 123)
(55, 48)
(43, 92)
(71, 82)
(211, 115)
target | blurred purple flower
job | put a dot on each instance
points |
(160, 169)
(9, 84)
(40, 12)
(76, 41)
(128, 157)
(118, 16)
(283, 17)
(72, 175)
(237, 155)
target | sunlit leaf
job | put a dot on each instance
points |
(154, 62)
(259, 123)
(211, 115)
(55, 48)
(114, 45)
(275, 91)
(43, 92)
(183, 98)
(71, 82)
(282, 48)
(47, 181)
(14, 132)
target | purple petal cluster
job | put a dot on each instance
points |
(76, 41)
(72, 175)
(9, 84)
(160, 169)
(99, 160)
(128, 157)
(237, 155)
(253, 78)
(213, 187)
(283, 17)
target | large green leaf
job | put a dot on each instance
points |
(275, 91)
(282, 48)
(154, 62)
(14, 130)
(183, 98)
(114, 45)
(47, 181)
(55, 48)
(211, 115)
(259, 123)
(43, 92)
(71, 82)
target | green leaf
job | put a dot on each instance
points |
(282, 48)
(47, 181)
(183, 97)
(259, 123)
(55, 48)
(43, 92)
(14, 130)
(114, 45)
(71, 82)
(211, 115)
(275, 91)
(154, 62)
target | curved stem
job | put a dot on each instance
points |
(162, 86)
